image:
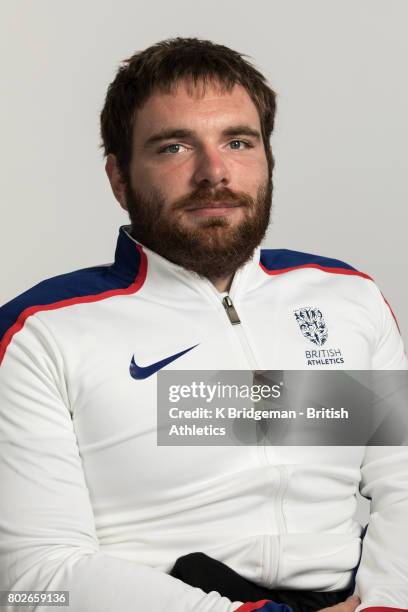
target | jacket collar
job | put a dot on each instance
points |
(168, 275)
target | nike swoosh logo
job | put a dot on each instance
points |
(139, 372)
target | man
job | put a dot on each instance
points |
(91, 504)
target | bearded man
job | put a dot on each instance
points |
(91, 503)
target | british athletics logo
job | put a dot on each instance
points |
(314, 328)
(312, 324)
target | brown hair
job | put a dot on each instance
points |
(161, 67)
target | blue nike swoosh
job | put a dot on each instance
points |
(139, 372)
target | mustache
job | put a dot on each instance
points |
(201, 197)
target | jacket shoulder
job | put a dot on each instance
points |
(276, 261)
(58, 291)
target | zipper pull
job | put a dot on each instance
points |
(230, 310)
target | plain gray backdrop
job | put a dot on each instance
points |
(339, 68)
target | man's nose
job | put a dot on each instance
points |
(211, 168)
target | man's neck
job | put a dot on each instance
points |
(222, 284)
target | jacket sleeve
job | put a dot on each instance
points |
(382, 577)
(47, 532)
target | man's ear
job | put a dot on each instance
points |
(116, 181)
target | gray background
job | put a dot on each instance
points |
(339, 67)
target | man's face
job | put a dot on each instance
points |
(200, 190)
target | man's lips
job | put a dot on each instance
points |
(213, 209)
(213, 205)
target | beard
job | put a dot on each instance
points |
(214, 247)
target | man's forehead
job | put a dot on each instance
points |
(187, 100)
(196, 90)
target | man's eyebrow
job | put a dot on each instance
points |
(174, 133)
(242, 130)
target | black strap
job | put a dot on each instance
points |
(200, 570)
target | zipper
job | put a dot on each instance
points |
(272, 561)
(272, 554)
(230, 310)
(234, 319)
(280, 494)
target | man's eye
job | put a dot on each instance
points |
(236, 144)
(171, 148)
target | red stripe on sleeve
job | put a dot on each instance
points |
(31, 310)
(380, 609)
(317, 267)
(252, 605)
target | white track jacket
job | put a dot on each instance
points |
(90, 504)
